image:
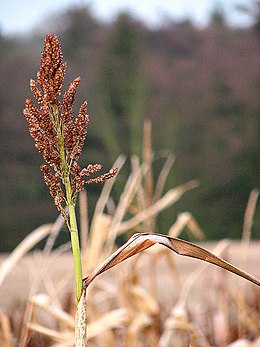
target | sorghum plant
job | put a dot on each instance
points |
(59, 137)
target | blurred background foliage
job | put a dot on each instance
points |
(198, 86)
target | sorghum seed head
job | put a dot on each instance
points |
(57, 135)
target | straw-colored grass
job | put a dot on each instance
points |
(153, 299)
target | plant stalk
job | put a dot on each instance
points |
(73, 227)
(75, 250)
(74, 235)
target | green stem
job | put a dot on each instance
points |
(74, 234)
(75, 250)
(72, 215)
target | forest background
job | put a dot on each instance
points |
(198, 86)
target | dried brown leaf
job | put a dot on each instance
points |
(142, 241)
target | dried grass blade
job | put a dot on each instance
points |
(102, 201)
(163, 176)
(56, 227)
(68, 343)
(143, 300)
(241, 343)
(138, 324)
(51, 333)
(140, 242)
(27, 316)
(184, 220)
(130, 248)
(148, 157)
(248, 222)
(140, 202)
(188, 249)
(111, 320)
(43, 301)
(130, 189)
(194, 276)
(42, 263)
(6, 338)
(99, 232)
(168, 199)
(90, 253)
(29, 242)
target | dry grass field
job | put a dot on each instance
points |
(18, 285)
(153, 299)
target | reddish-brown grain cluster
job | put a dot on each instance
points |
(58, 135)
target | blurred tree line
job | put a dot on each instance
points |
(199, 87)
